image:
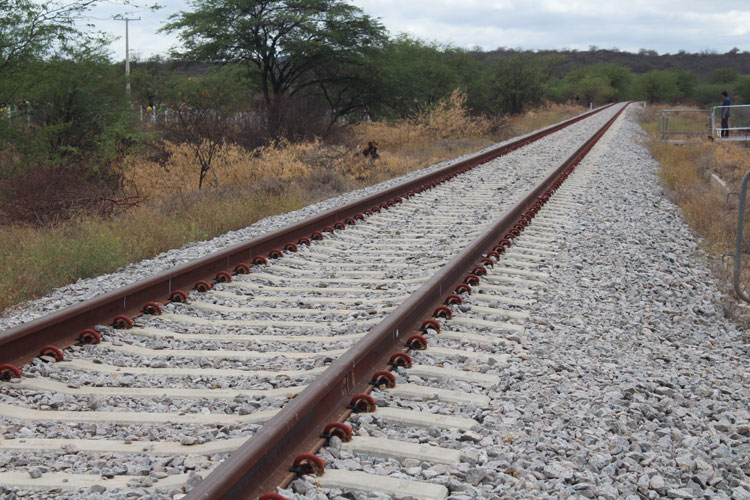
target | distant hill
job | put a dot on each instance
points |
(700, 64)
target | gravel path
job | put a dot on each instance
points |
(636, 386)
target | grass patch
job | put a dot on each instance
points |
(243, 188)
(33, 261)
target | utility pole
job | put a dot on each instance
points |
(127, 50)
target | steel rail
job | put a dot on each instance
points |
(20, 344)
(262, 463)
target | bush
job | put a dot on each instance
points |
(657, 86)
(742, 89)
(708, 94)
(723, 75)
(74, 130)
(45, 195)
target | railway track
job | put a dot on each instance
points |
(156, 405)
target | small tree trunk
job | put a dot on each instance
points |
(204, 171)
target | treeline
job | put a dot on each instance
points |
(701, 64)
(252, 72)
(407, 76)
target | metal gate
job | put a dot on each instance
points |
(683, 122)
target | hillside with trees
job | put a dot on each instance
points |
(700, 64)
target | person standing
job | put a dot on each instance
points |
(725, 114)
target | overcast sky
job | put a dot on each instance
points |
(666, 26)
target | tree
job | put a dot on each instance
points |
(76, 113)
(153, 81)
(204, 117)
(657, 86)
(63, 151)
(708, 94)
(518, 83)
(412, 76)
(743, 90)
(686, 83)
(29, 30)
(594, 89)
(282, 42)
(723, 75)
(617, 77)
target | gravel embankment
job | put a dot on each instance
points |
(636, 386)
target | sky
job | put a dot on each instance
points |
(666, 26)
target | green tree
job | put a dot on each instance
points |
(412, 76)
(595, 89)
(518, 83)
(708, 94)
(657, 86)
(723, 75)
(154, 81)
(743, 89)
(63, 151)
(31, 30)
(475, 79)
(282, 42)
(76, 114)
(617, 76)
(686, 82)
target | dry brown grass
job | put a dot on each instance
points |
(34, 260)
(444, 132)
(242, 188)
(685, 173)
(541, 117)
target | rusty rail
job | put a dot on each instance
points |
(262, 462)
(20, 344)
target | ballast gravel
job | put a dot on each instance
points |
(636, 385)
(628, 383)
(520, 169)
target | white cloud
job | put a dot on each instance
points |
(661, 25)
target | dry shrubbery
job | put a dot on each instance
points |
(42, 196)
(444, 131)
(233, 166)
(684, 174)
(540, 117)
(731, 161)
